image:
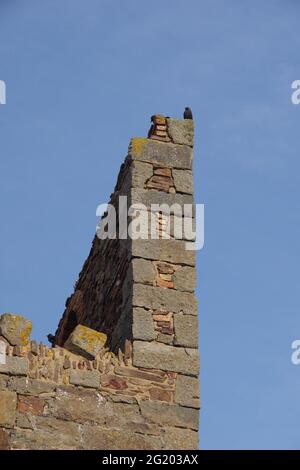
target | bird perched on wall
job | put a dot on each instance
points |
(51, 339)
(188, 113)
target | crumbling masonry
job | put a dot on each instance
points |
(129, 380)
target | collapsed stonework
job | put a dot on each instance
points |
(123, 369)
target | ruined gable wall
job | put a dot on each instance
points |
(141, 391)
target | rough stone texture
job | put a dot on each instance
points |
(163, 154)
(3, 381)
(143, 271)
(71, 404)
(85, 378)
(181, 131)
(187, 391)
(30, 386)
(8, 403)
(4, 442)
(32, 405)
(186, 330)
(140, 389)
(164, 299)
(15, 328)
(95, 437)
(176, 438)
(170, 415)
(185, 279)
(183, 181)
(49, 434)
(15, 366)
(143, 325)
(161, 356)
(85, 341)
(177, 204)
(172, 251)
(141, 172)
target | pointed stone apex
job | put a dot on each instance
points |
(181, 131)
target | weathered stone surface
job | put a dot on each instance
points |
(176, 204)
(187, 391)
(113, 381)
(183, 181)
(32, 405)
(28, 386)
(4, 441)
(172, 251)
(50, 434)
(143, 325)
(185, 279)
(85, 378)
(15, 366)
(83, 406)
(180, 439)
(3, 381)
(158, 298)
(123, 329)
(181, 131)
(52, 425)
(15, 328)
(73, 404)
(25, 420)
(141, 172)
(117, 398)
(169, 414)
(161, 356)
(122, 415)
(186, 330)
(34, 348)
(141, 374)
(8, 404)
(95, 437)
(85, 341)
(160, 153)
(166, 339)
(157, 393)
(137, 292)
(143, 271)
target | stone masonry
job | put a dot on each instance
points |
(123, 369)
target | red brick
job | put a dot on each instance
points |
(163, 172)
(163, 283)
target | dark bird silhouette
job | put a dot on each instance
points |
(51, 339)
(188, 113)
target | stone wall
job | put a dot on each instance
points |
(141, 390)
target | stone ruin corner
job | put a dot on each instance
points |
(122, 372)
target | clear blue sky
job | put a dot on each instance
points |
(82, 78)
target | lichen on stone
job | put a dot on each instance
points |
(136, 145)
